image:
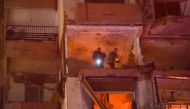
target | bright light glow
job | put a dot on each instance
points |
(176, 77)
(98, 61)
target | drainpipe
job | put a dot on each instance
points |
(61, 38)
(61, 47)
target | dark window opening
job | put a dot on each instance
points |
(105, 1)
(167, 8)
(33, 93)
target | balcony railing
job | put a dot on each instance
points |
(27, 32)
(96, 13)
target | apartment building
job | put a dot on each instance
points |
(47, 45)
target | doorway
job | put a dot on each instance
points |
(109, 93)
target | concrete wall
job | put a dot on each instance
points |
(32, 65)
(26, 16)
(70, 7)
(73, 94)
(48, 93)
(31, 49)
(32, 57)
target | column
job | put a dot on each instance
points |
(73, 94)
(144, 89)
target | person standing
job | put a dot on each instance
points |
(98, 57)
(113, 58)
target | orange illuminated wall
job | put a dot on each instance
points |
(83, 40)
(116, 101)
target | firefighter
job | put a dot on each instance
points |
(98, 57)
(113, 58)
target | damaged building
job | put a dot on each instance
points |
(47, 46)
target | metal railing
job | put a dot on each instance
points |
(27, 32)
(92, 94)
(174, 105)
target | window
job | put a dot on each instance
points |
(105, 1)
(167, 8)
(33, 93)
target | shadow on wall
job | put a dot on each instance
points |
(75, 65)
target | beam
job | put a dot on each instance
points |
(166, 37)
(172, 73)
(112, 84)
(109, 73)
(106, 73)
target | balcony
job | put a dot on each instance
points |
(31, 41)
(34, 33)
(94, 13)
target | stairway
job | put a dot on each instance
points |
(91, 93)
